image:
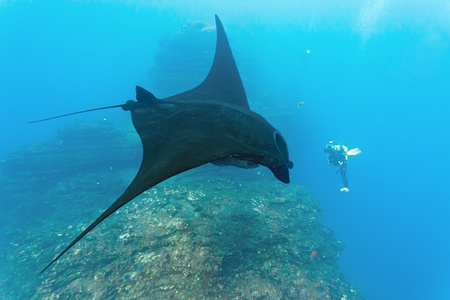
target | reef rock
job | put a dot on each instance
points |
(210, 233)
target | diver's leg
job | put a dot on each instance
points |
(344, 178)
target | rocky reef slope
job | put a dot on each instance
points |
(211, 233)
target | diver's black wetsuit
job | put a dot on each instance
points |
(338, 157)
(342, 171)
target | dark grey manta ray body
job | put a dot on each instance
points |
(210, 123)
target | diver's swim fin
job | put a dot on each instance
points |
(354, 151)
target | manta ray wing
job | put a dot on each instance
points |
(223, 83)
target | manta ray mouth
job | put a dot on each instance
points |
(281, 173)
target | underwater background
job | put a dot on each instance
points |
(371, 74)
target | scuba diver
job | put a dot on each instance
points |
(338, 156)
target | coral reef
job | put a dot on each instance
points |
(210, 233)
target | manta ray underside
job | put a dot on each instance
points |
(210, 123)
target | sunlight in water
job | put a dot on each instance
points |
(369, 17)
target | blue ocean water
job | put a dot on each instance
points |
(371, 74)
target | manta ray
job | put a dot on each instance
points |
(211, 123)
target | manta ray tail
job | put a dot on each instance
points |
(78, 112)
